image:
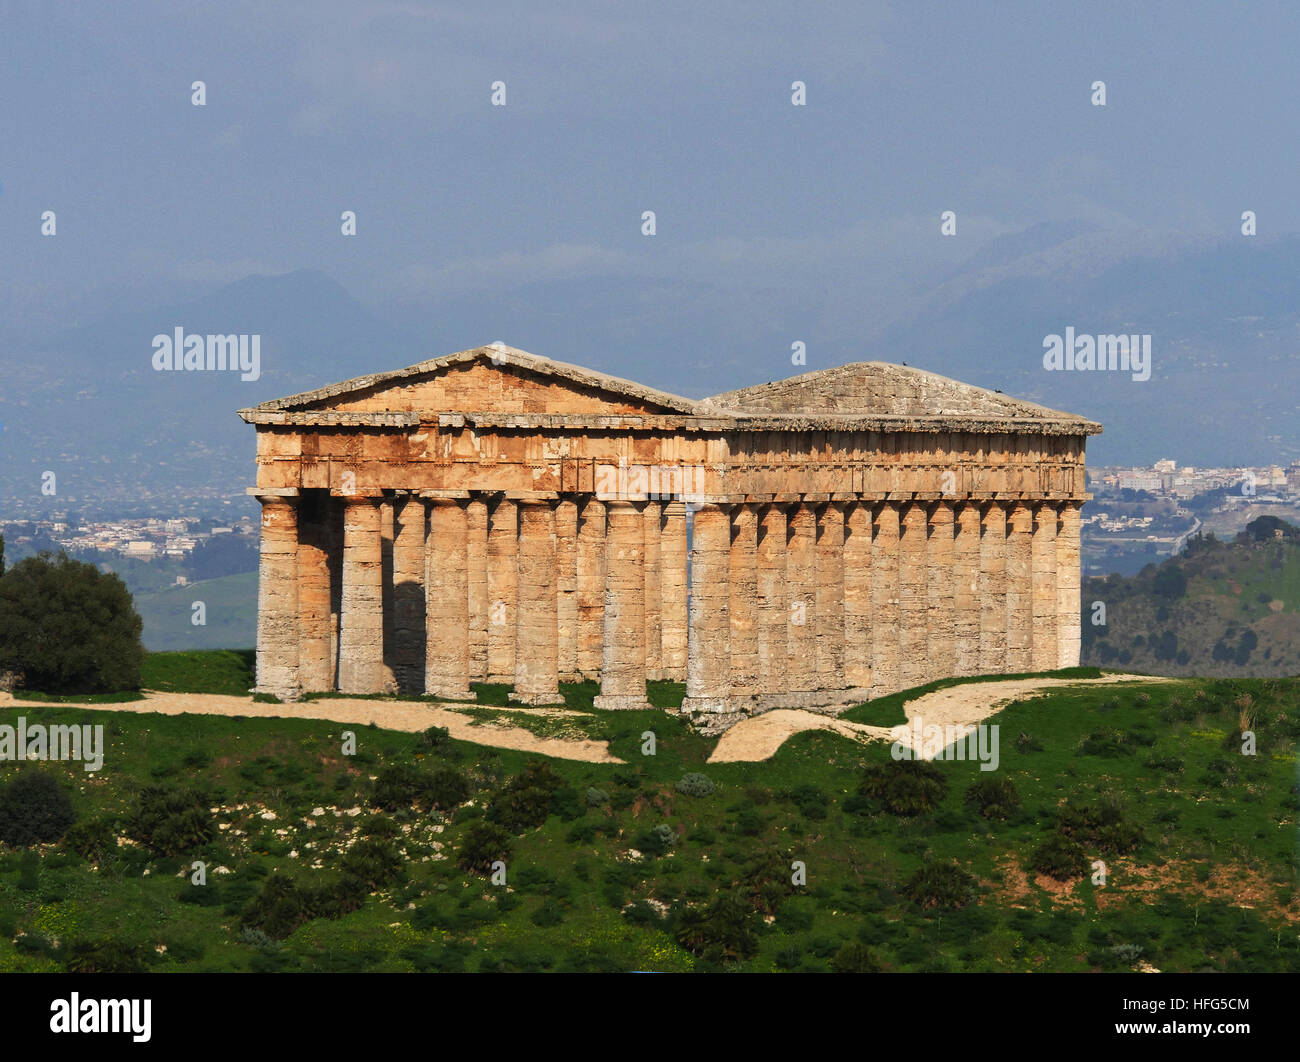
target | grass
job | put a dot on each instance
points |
(225, 671)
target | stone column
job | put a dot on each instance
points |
(742, 605)
(1019, 589)
(476, 521)
(884, 601)
(966, 590)
(277, 599)
(857, 596)
(566, 583)
(913, 558)
(1068, 603)
(672, 590)
(591, 588)
(940, 616)
(361, 633)
(773, 602)
(830, 597)
(536, 645)
(447, 640)
(653, 626)
(1045, 645)
(993, 590)
(708, 669)
(388, 659)
(622, 675)
(502, 586)
(315, 647)
(801, 613)
(409, 529)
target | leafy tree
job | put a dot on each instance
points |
(1170, 582)
(69, 628)
(34, 809)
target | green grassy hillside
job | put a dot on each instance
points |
(231, 614)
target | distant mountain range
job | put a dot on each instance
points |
(1224, 317)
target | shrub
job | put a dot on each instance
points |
(1100, 823)
(855, 957)
(526, 800)
(91, 839)
(106, 956)
(68, 627)
(374, 861)
(657, 841)
(904, 787)
(483, 844)
(403, 786)
(810, 801)
(171, 822)
(596, 797)
(994, 798)
(695, 784)
(279, 908)
(722, 932)
(1059, 857)
(34, 809)
(1106, 741)
(940, 885)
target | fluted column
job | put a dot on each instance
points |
(536, 643)
(476, 538)
(388, 657)
(361, 625)
(653, 625)
(502, 586)
(591, 588)
(993, 590)
(566, 585)
(277, 599)
(1068, 603)
(913, 557)
(409, 529)
(801, 584)
(672, 590)
(966, 590)
(1045, 645)
(447, 637)
(773, 602)
(742, 604)
(830, 597)
(316, 633)
(708, 669)
(622, 676)
(857, 596)
(884, 601)
(941, 659)
(1019, 589)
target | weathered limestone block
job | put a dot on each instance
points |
(940, 588)
(966, 590)
(742, 605)
(622, 677)
(316, 649)
(913, 559)
(992, 590)
(708, 669)
(773, 601)
(830, 597)
(447, 639)
(361, 634)
(476, 530)
(1068, 604)
(1019, 592)
(653, 592)
(502, 586)
(801, 584)
(277, 599)
(409, 529)
(672, 591)
(885, 674)
(591, 587)
(857, 595)
(536, 645)
(1045, 646)
(566, 582)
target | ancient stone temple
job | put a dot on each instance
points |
(495, 516)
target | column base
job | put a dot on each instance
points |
(712, 715)
(535, 698)
(449, 694)
(288, 694)
(620, 703)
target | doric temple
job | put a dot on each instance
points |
(495, 516)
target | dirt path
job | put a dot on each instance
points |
(391, 715)
(963, 705)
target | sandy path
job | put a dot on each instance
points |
(391, 715)
(964, 705)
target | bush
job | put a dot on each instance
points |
(596, 798)
(656, 842)
(279, 908)
(994, 798)
(1100, 823)
(904, 787)
(34, 809)
(695, 784)
(810, 801)
(855, 957)
(171, 822)
(723, 932)
(67, 627)
(106, 956)
(484, 843)
(525, 801)
(1059, 857)
(940, 885)
(91, 839)
(373, 861)
(403, 786)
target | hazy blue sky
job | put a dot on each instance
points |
(765, 210)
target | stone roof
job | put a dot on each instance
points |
(865, 395)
